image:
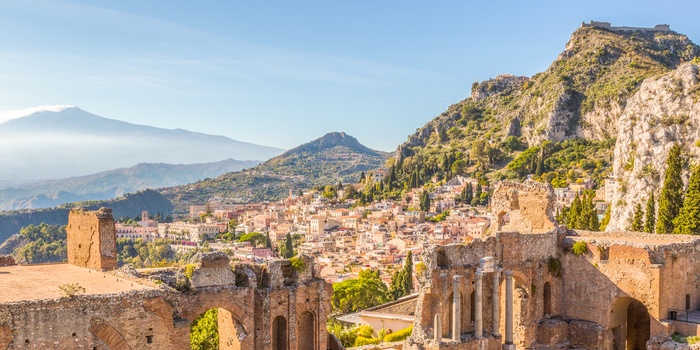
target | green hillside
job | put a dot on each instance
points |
(332, 158)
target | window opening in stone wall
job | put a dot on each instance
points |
(306, 332)
(149, 339)
(217, 329)
(279, 333)
(687, 301)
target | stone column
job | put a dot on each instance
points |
(456, 308)
(496, 302)
(437, 328)
(478, 317)
(509, 309)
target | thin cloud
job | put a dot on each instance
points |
(19, 113)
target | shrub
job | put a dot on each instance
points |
(580, 248)
(189, 270)
(420, 269)
(554, 267)
(399, 335)
(298, 263)
(360, 341)
(71, 289)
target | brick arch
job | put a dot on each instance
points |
(108, 335)
(236, 326)
(6, 337)
(205, 304)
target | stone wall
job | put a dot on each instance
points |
(161, 318)
(91, 239)
(6, 260)
(526, 207)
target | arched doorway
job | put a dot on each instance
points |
(307, 331)
(630, 324)
(279, 333)
(547, 300)
(216, 328)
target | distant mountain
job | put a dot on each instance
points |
(334, 157)
(70, 142)
(113, 183)
(128, 205)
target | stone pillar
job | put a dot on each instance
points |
(496, 302)
(509, 311)
(456, 308)
(437, 328)
(478, 314)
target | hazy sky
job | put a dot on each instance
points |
(282, 74)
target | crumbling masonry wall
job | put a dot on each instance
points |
(616, 295)
(249, 299)
(91, 239)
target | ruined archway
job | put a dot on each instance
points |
(547, 300)
(306, 335)
(630, 324)
(279, 333)
(218, 328)
(108, 335)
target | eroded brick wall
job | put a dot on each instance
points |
(92, 241)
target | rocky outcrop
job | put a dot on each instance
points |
(665, 110)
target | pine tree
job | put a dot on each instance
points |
(688, 220)
(362, 177)
(671, 198)
(637, 224)
(650, 217)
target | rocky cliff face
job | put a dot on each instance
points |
(665, 110)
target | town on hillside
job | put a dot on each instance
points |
(343, 236)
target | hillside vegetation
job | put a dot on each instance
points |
(128, 205)
(335, 157)
(560, 124)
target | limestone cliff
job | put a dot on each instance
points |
(665, 110)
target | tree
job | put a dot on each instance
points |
(402, 280)
(255, 238)
(288, 246)
(357, 294)
(424, 202)
(650, 217)
(688, 220)
(606, 218)
(204, 332)
(671, 198)
(637, 224)
(362, 177)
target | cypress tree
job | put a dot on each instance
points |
(408, 273)
(637, 224)
(289, 246)
(650, 217)
(671, 198)
(688, 220)
(606, 218)
(574, 213)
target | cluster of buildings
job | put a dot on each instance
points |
(345, 238)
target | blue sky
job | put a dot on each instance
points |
(284, 73)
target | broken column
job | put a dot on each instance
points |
(509, 312)
(437, 328)
(478, 317)
(496, 302)
(456, 308)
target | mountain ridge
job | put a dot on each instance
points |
(53, 145)
(113, 183)
(327, 160)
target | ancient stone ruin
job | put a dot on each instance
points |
(529, 290)
(272, 306)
